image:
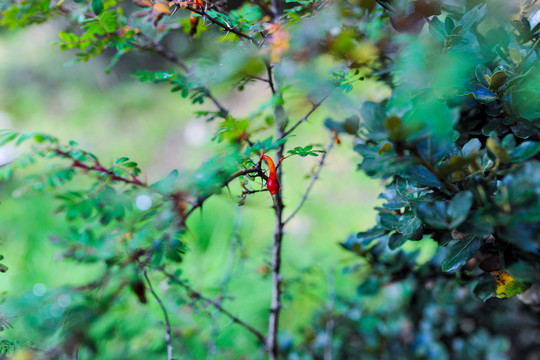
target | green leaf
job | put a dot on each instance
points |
(481, 71)
(524, 151)
(396, 240)
(7, 136)
(433, 214)
(97, 6)
(458, 208)
(461, 251)
(485, 287)
(408, 224)
(524, 271)
(449, 25)
(515, 55)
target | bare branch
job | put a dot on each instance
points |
(275, 305)
(314, 178)
(195, 294)
(202, 198)
(305, 117)
(161, 50)
(168, 338)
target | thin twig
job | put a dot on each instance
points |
(168, 338)
(97, 167)
(161, 50)
(270, 78)
(226, 27)
(195, 294)
(305, 117)
(202, 198)
(314, 178)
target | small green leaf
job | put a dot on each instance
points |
(449, 25)
(408, 224)
(498, 79)
(461, 251)
(525, 150)
(97, 6)
(458, 208)
(433, 214)
(396, 240)
(7, 136)
(515, 55)
(485, 288)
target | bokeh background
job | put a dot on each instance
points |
(114, 115)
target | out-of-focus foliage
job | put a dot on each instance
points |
(457, 143)
(452, 132)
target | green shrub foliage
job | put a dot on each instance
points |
(453, 135)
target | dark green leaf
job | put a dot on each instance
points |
(525, 151)
(396, 240)
(97, 6)
(458, 208)
(433, 214)
(461, 251)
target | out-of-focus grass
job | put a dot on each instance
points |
(114, 116)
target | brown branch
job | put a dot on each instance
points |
(304, 118)
(169, 55)
(168, 338)
(202, 198)
(314, 178)
(197, 295)
(97, 167)
(226, 27)
(275, 304)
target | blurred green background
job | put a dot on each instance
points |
(113, 115)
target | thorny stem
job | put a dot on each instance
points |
(226, 27)
(275, 305)
(168, 338)
(314, 178)
(97, 167)
(305, 117)
(197, 295)
(202, 198)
